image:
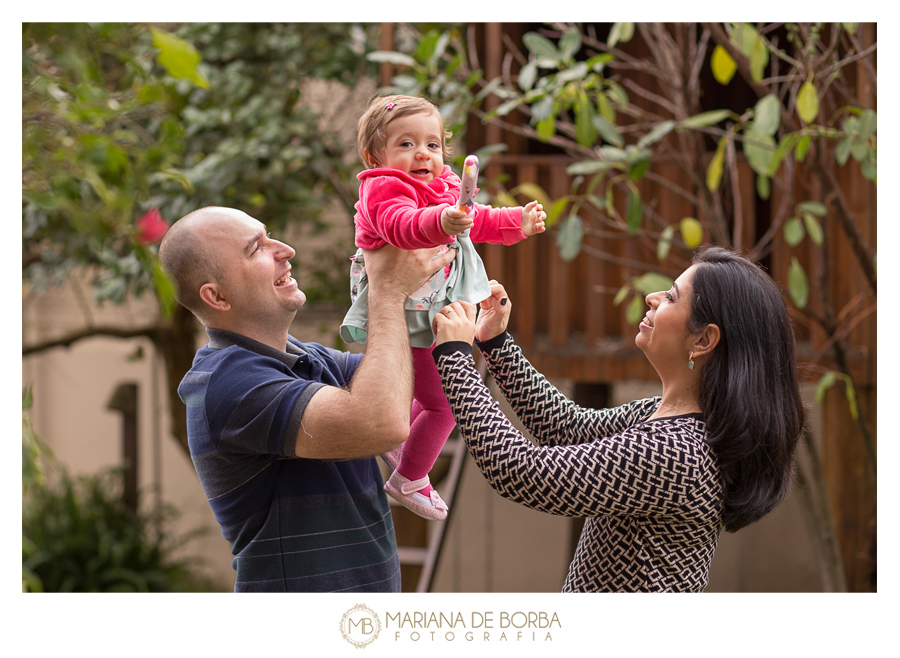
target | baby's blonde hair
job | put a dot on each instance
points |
(372, 127)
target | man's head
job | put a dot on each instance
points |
(229, 272)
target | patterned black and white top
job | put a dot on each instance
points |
(650, 489)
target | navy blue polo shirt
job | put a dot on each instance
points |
(299, 525)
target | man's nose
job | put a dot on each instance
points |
(285, 251)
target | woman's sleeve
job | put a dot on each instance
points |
(612, 476)
(549, 415)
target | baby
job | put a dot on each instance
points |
(408, 198)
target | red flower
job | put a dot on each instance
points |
(151, 227)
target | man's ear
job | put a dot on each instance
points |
(211, 294)
(707, 340)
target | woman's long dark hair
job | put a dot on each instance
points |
(749, 384)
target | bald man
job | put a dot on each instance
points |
(283, 433)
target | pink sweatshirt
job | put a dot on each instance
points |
(395, 208)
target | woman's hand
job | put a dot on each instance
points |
(494, 316)
(455, 322)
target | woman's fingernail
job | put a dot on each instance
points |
(503, 301)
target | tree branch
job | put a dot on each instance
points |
(112, 332)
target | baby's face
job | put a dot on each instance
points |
(413, 145)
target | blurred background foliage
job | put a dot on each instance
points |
(122, 118)
(79, 535)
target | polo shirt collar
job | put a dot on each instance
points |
(221, 338)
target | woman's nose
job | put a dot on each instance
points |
(652, 299)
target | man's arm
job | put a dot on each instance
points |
(373, 415)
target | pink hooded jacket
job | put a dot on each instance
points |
(395, 208)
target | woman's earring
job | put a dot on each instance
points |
(691, 361)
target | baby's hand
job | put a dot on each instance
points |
(454, 221)
(533, 218)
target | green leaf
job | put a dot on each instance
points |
(813, 207)
(391, 57)
(851, 27)
(620, 33)
(660, 131)
(826, 382)
(639, 168)
(767, 115)
(745, 38)
(540, 46)
(723, 65)
(802, 148)
(585, 132)
(534, 191)
(607, 131)
(178, 57)
(569, 237)
(570, 43)
(851, 396)
(555, 211)
(763, 186)
(813, 228)
(867, 124)
(760, 151)
(691, 232)
(527, 75)
(651, 282)
(798, 286)
(546, 128)
(635, 310)
(716, 167)
(794, 231)
(869, 169)
(588, 167)
(842, 152)
(617, 95)
(759, 59)
(620, 296)
(635, 213)
(606, 109)
(808, 102)
(665, 242)
(704, 119)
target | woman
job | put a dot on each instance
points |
(657, 478)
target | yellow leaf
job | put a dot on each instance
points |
(534, 191)
(506, 199)
(808, 102)
(691, 232)
(723, 66)
(716, 166)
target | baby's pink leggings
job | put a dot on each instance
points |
(431, 419)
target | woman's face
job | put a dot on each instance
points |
(663, 334)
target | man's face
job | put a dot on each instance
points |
(257, 274)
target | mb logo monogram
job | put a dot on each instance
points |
(360, 626)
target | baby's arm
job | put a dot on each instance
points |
(507, 225)
(533, 218)
(454, 221)
(397, 218)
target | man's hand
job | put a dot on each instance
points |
(533, 218)
(454, 221)
(402, 271)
